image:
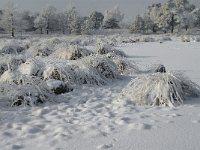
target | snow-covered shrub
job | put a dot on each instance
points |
(129, 41)
(103, 48)
(147, 39)
(164, 39)
(195, 38)
(38, 50)
(58, 87)
(165, 89)
(121, 65)
(14, 61)
(185, 39)
(31, 91)
(42, 48)
(32, 67)
(75, 42)
(53, 72)
(105, 67)
(73, 52)
(27, 95)
(12, 49)
(94, 69)
(53, 42)
(3, 68)
(45, 51)
(161, 69)
(58, 69)
(105, 70)
(25, 91)
(10, 62)
(9, 77)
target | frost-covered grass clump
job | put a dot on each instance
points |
(105, 48)
(147, 39)
(189, 38)
(24, 91)
(124, 66)
(72, 52)
(14, 47)
(166, 89)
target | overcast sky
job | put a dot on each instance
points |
(129, 7)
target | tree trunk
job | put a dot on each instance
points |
(47, 29)
(154, 30)
(172, 24)
(186, 28)
(13, 32)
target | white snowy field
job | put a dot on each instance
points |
(97, 117)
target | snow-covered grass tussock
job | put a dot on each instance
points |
(11, 62)
(13, 47)
(72, 52)
(147, 39)
(24, 91)
(32, 67)
(124, 66)
(58, 87)
(166, 89)
(105, 48)
(190, 38)
(39, 49)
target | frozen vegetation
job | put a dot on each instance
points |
(56, 90)
(74, 82)
(34, 71)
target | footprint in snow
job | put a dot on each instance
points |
(123, 121)
(143, 116)
(140, 126)
(42, 111)
(7, 134)
(105, 146)
(171, 115)
(16, 147)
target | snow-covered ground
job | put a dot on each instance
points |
(97, 117)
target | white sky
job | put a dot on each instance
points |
(129, 7)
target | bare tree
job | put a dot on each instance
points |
(45, 19)
(8, 21)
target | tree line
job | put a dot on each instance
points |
(167, 17)
(174, 14)
(50, 20)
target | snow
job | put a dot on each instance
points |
(97, 116)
